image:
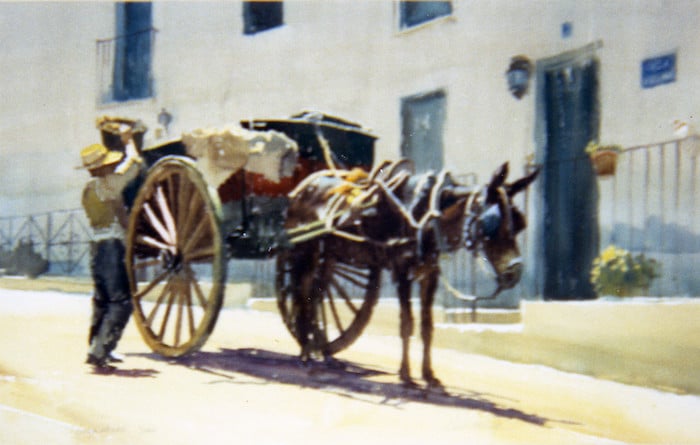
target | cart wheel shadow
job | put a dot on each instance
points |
(342, 378)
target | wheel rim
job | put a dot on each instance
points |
(342, 297)
(174, 259)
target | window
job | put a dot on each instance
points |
(132, 63)
(261, 16)
(413, 13)
(124, 61)
(422, 127)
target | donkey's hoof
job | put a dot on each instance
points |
(433, 383)
(435, 386)
(407, 381)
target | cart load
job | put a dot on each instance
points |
(221, 152)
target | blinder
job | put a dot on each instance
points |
(490, 222)
(485, 225)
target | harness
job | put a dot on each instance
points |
(482, 223)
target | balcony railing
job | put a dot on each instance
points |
(124, 67)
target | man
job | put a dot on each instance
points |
(104, 205)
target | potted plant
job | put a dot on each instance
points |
(604, 157)
(619, 273)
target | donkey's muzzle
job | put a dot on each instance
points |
(511, 275)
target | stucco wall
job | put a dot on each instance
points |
(345, 58)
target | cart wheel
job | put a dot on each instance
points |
(335, 299)
(175, 259)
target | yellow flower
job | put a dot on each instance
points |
(609, 254)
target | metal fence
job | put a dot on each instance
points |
(62, 237)
(649, 207)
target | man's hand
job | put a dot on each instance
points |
(126, 133)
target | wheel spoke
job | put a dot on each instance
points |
(204, 253)
(166, 317)
(196, 236)
(190, 309)
(351, 278)
(156, 224)
(172, 197)
(324, 319)
(147, 263)
(138, 295)
(195, 204)
(200, 294)
(183, 198)
(346, 297)
(167, 216)
(159, 301)
(352, 270)
(334, 310)
(152, 242)
(178, 320)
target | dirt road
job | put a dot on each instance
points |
(246, 387)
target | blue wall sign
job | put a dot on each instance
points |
(658, 70)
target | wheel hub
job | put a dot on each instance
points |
(171, 261)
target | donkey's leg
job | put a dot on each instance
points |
(406, 327)
(428, 286)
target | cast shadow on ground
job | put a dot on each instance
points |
(119, 372)
(341, 377)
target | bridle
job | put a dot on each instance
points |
(484, 221)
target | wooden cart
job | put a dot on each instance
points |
(183, 230)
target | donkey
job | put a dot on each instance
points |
(405, 221)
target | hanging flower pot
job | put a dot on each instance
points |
(603, 157)
(604, 162)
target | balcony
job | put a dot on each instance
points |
(124, 67)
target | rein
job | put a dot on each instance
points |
(472, 299)
(473, 241)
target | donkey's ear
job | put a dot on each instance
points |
(522, 183)
(498, 178)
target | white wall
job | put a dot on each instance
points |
(346, 58)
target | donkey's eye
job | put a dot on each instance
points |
(490, 221)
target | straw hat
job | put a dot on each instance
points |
(97, 155)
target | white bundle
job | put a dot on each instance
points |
(221, 152)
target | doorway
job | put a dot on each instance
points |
(422, 127)
(568, 118)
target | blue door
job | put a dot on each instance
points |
(570, 234)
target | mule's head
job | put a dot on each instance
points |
(493, 222)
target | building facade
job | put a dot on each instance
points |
(431, 79)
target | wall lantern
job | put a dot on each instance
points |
(518, 76)
(164, 118)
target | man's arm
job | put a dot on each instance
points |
(129, 165)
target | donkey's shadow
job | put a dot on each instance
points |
(340, 377)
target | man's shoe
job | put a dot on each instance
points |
(113, 357)
(98, 362)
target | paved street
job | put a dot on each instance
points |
(246, 387)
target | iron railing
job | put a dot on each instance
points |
(124, 67)
(649, 207)
(62, 237)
